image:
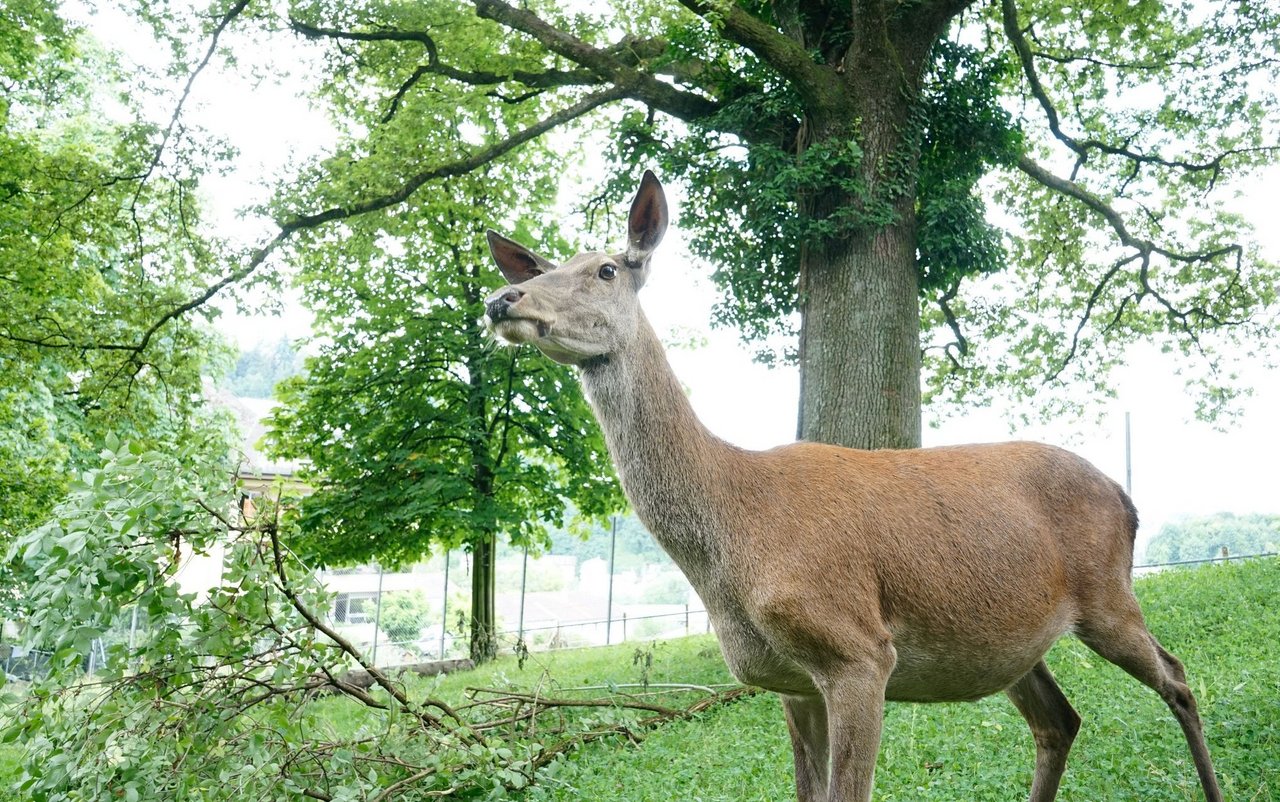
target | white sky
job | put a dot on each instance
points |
(1180, 466)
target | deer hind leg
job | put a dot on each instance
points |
(1054, 724)
(1124, 640)
(807, 723)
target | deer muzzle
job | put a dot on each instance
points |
(498, 306)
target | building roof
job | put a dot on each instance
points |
(251, 414)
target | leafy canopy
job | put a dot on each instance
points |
(419, 430)
(99, 228)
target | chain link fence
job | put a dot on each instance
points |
(570, 597)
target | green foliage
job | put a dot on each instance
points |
(172, 686)
(418, 429)
(1156, 124)
(95, 236)
(404, 614)
(966, 134)
(755, 200)
(1206, 536)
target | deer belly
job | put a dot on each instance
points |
(931, 670)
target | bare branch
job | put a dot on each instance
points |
(1096, 294)
(226, 19)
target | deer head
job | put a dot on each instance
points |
(587, 308)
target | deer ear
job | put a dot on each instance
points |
(648, 220)
(517, 263)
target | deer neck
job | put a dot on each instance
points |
(668, 462)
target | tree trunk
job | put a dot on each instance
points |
(859, 302)
(484, 549)
(484, 613)
(859, 290)
(860, 341)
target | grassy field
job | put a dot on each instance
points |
(1222, 621)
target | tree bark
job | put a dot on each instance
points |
(860, 341)
(859, 290)
(484, 613)
(859, 293)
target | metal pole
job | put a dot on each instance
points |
(524, 576)
(608, 615)
(686, 618)
(444, 608)
(377, 617)
(1128, 455)
(624, 627)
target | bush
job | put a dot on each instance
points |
(404, 615)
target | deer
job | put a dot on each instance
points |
(841, 578)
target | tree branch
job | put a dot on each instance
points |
(541, 80)
(1083, 147)
(226, 19)
(412, 185)
(634, 83)
(1145, 250)
(771, 46)
(1098, 289)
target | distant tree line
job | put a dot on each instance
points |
(635, 546)
(1205, 536)
(258, 370)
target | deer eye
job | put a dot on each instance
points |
(608, 272)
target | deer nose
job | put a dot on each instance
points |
(500, 303)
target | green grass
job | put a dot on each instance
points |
(1222, 621)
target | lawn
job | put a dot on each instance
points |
(1222, 621)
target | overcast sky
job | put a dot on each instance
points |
(1180, 466)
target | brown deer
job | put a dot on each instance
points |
(841, 578)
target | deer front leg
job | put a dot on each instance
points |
(807, 723)
(855, 713)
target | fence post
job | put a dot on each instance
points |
(377, 617)
(686, 618)
(444, 607)
(624, 628)
(608, 614)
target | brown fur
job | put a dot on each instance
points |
(841, 578)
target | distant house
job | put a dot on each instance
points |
(258, 472)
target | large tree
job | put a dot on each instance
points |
(418, 430)
(834, 152)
